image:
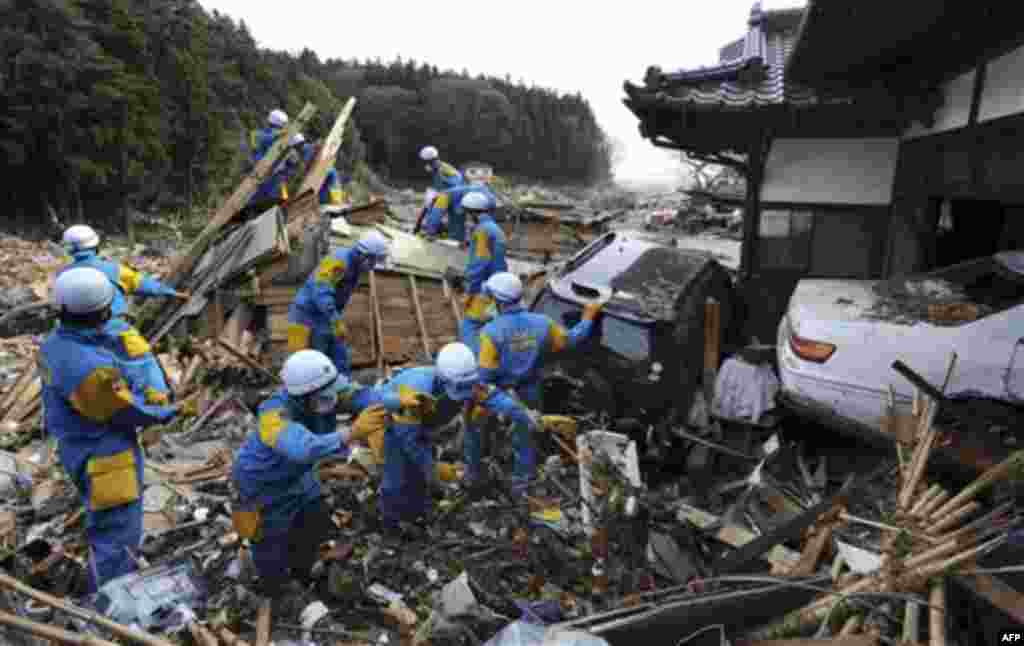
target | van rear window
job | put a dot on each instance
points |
(625, 338)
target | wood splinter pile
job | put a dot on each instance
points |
(931, 535)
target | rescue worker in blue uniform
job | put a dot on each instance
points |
(91, 407)
(486, 258)
(428, 397)
(82, 244)
(137, 362)
(448, 204)
(280, 508)
(444, 176)
(512, 350)
(332, 192)
(274, 190)
(315, 317)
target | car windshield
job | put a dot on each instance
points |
(623, 337)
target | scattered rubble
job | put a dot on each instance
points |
(762, 534)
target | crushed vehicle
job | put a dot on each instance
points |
(644, 360)
(839, 339)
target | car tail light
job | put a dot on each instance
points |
(810, 350)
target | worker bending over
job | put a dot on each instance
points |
(512, 351)
(281, 510)
(430, 397)
(274, 189)
(315, 317)
(448, 205)
(486, 258)
(94, 410)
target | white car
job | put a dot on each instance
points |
(839, 338)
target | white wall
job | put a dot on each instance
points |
(1003, 93)
(955, 109)
(830, 171)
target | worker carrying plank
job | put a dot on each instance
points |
(448, 206)
(280, 507)
(274, 189)
(332, 191)
(315, 316)
(513, 348)
(486, 258)
(94, 410)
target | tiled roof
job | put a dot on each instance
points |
(751, 73)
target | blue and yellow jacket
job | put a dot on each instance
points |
(486, 258)
(145, 376)
(512, 346)
(275, 466)
(91, 409)
(274, 187)
(446, 176)
(126, 281)
(450, 202)
(323, 297)
(332, 193)
(425, 380)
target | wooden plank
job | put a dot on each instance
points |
(308, 198)
(845, 640)
(14, 394)
(248, 187)
(376, 317)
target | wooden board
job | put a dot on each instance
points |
(403, 340)
(306, 206)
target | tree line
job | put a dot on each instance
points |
(150, 103)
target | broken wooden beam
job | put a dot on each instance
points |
(306, 208)
(52, 634)
(240, 198)
(249, 361)
(263, 624)
(419, 316)
(381, 364)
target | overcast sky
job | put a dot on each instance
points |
(567, 45)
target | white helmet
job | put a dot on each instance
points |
(504, 287)
(373, 244)
(83, 290)
(80, 237)
(308, 371)
(278, 118)
(457, 367)
(428, 153)
(477, 201)
(297, 138)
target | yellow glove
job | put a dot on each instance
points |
(447, 472)
(467, 300)
(372, 420)
(477, 414)
(155, 397)
(189, 407)
(340, 329)
(560, 424)
(376, 444)
(423, 405)
(591, 310)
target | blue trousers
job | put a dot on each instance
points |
(408, 470)
(316, 335)
(283, 553)
(111, 533)
(525, 469)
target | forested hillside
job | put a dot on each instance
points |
(153, 99)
